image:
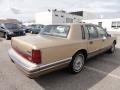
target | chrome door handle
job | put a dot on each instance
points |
(91, 42)
(103, 40)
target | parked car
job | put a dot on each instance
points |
(35, 28)
(9, 30)
(59, 46)
(25, 28)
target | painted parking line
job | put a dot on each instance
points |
(102, 72)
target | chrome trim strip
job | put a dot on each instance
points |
(55, 63)
(97, 52)
(35, 67)
(47, 68)
(99, 49)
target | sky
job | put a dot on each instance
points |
(24, 10)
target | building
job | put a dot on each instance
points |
(15, 21)
(85, 15)
(56, 17)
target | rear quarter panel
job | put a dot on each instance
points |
(56, 53)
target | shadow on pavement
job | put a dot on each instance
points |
(62, 80)
(1, 39)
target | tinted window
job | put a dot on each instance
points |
(11, 26)
(91, 31)
(56, 30)
(101, 31)
(36, 26)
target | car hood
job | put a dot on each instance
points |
(39, 41)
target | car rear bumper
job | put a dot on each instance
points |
(27, 67)
(32, 70)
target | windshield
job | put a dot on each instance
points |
(11, 26)
(36, 26)
(56, 30)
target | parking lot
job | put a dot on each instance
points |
(100, 73)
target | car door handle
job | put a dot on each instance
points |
(91, 42)
(103, 40)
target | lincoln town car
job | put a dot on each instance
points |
(59, 46)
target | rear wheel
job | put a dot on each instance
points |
(77, 63)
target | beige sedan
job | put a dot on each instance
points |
(59, 46)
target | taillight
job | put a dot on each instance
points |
(36, 56)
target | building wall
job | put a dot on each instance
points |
(56, 17)
(65, 18)
(15, 21)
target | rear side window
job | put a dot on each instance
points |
(93, 34)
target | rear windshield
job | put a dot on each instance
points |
(56, 30)
(11, 26)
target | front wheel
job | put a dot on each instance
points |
(112, 49)
(77, 63)
(31, 32)
(6, 36)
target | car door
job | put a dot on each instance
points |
(106, 41)
(94, 42)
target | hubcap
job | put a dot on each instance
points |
(113, 48)
(6, 36)
(78, 63)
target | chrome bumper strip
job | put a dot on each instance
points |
(33, 68)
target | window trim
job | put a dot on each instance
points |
(83, 32)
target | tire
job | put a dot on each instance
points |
(6, 37)
(112, 49)
(77, 63)
(31, 32)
